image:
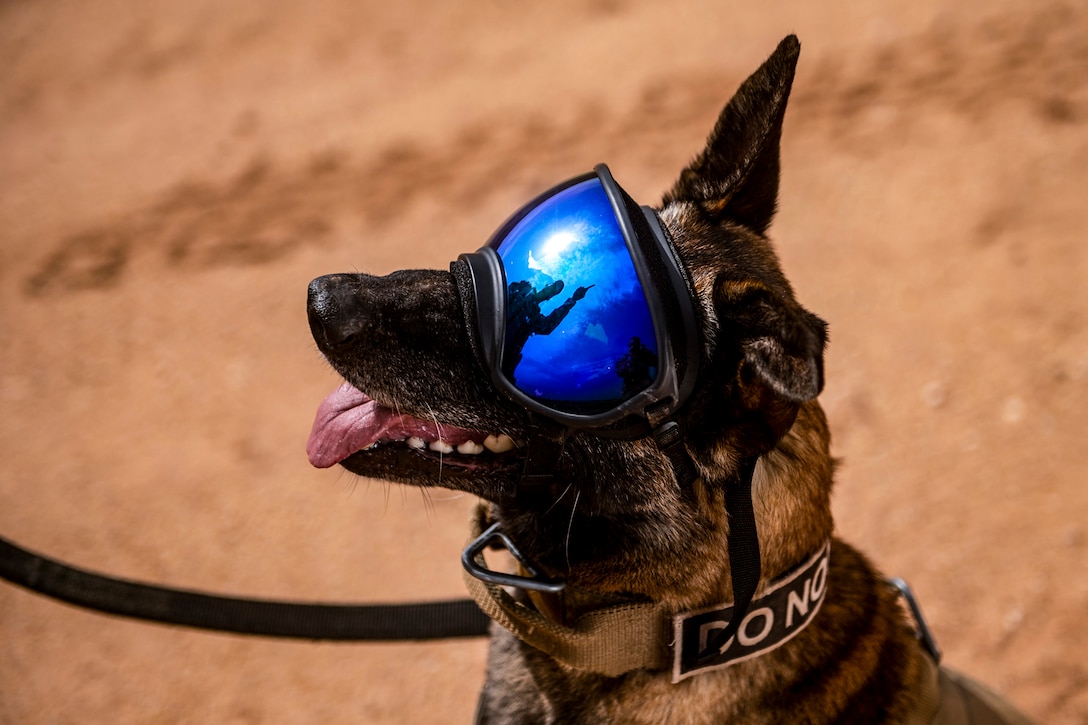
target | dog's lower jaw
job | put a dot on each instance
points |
(423, 460)
(403, 465)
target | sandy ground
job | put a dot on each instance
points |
(173, 175)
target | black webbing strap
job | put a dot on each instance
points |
(345, 622)
(744, 560)
(670, 442)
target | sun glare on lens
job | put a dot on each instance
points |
(557, 243)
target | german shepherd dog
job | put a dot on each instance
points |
(617, 522)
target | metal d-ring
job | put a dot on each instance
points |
(494, 534)
(921, 626)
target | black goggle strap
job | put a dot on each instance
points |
(745, 566)
(744, 559)
(669, 442)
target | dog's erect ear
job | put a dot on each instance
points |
(781, 341)
(736, 176)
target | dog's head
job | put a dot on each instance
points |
(419, 405)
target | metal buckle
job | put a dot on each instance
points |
(495, 534)
(921, 626)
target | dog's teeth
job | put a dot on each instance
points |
(499, 444)
(441, 446)
(470, 448)
(417, 443)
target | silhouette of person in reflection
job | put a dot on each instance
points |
(637, 368)
(524, 319)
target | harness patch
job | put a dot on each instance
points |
(772, 620)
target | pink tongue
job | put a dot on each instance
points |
(348, 421)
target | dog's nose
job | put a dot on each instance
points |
(334, 309)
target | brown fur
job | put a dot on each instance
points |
(617, 522)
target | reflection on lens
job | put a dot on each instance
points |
(579, 336)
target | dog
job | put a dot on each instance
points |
(633, 534)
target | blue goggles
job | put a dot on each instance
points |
(583, 310)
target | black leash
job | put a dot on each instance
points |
(264, 617)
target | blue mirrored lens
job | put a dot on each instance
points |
(579, 335)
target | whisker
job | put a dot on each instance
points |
(570, 526)
(428, 504)
(350, 484)
(438, 427)
(560, 498)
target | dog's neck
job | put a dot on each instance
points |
(646, 538)
(783, 491)
(612, 635)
